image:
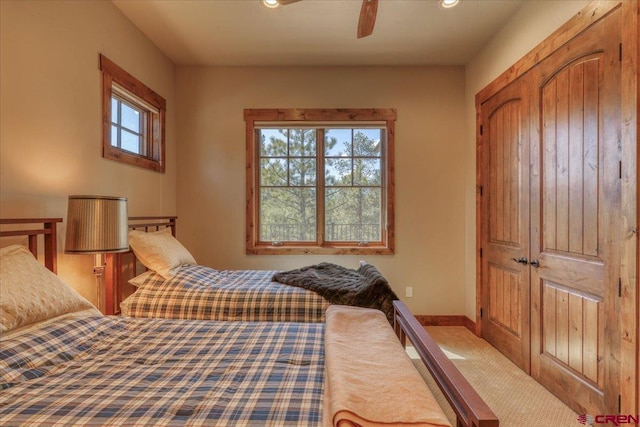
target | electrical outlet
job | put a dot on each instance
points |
(408, 292)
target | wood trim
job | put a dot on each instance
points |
(251, 184)
(479, 192)
(253, 247)
(593, 12)
(157, 222)
(154, 158)
(447, 320)
(131, 84)
(630, 158)
(49, 231)
(113, 153)
(318, 250)
(28, 221)
(469, 407)
(319, 114)
(24, 232)
(50, 246)
(390, 173)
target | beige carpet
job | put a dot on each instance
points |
(514, 397)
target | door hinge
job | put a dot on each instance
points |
(620, 169)
(481, 190)
(619, 286)
(481, 313)
(619, 403)
(480, 252)
(480, 129)
(620, 51)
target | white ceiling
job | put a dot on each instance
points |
(317, 32)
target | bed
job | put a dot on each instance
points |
(175, 287)
(67, 364)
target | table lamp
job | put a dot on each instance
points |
(97, 225)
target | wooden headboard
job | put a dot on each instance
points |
(121, 267)
(46, 227)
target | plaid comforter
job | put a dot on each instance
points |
(198, 292)
(94, 370)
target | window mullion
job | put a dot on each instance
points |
(352, 157)
(119, 124)
(320, 192)
(146, 126)
(288, 157)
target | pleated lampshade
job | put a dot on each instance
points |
(96, 224)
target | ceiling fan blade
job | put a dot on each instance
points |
(367, 18)
(286, 2)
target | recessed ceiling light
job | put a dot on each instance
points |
(274, 3)
(446, 4)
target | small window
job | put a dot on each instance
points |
(127, 126)
(320, 181)
(134, 119)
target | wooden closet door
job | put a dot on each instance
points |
(505, 222)
(575, 203)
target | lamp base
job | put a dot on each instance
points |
(98, 271)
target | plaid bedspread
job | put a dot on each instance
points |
(132, 372)
(198, 292)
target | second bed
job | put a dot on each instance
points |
(176, 287)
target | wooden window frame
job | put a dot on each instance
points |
(325, 117)
(142, 123)
(116, 81)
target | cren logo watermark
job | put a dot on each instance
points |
(585, 419)
(615, 420)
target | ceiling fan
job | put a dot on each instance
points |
(367, 16)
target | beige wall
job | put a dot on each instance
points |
(429, 166)
(50, 115)
(533, 22)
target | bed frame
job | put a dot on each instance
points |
(47, 229)
(470, 409)
(120, 267)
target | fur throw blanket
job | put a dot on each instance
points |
(364, 287)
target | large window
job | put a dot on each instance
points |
(320, 181)
(133, 119)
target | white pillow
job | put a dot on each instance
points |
(141, 278)
(160, 251)
(30, 293)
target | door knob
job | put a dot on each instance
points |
(521, 260)
(535, 263)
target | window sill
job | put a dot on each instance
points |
(122, 156)
(319, 250)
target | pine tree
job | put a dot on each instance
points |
(288, 181)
